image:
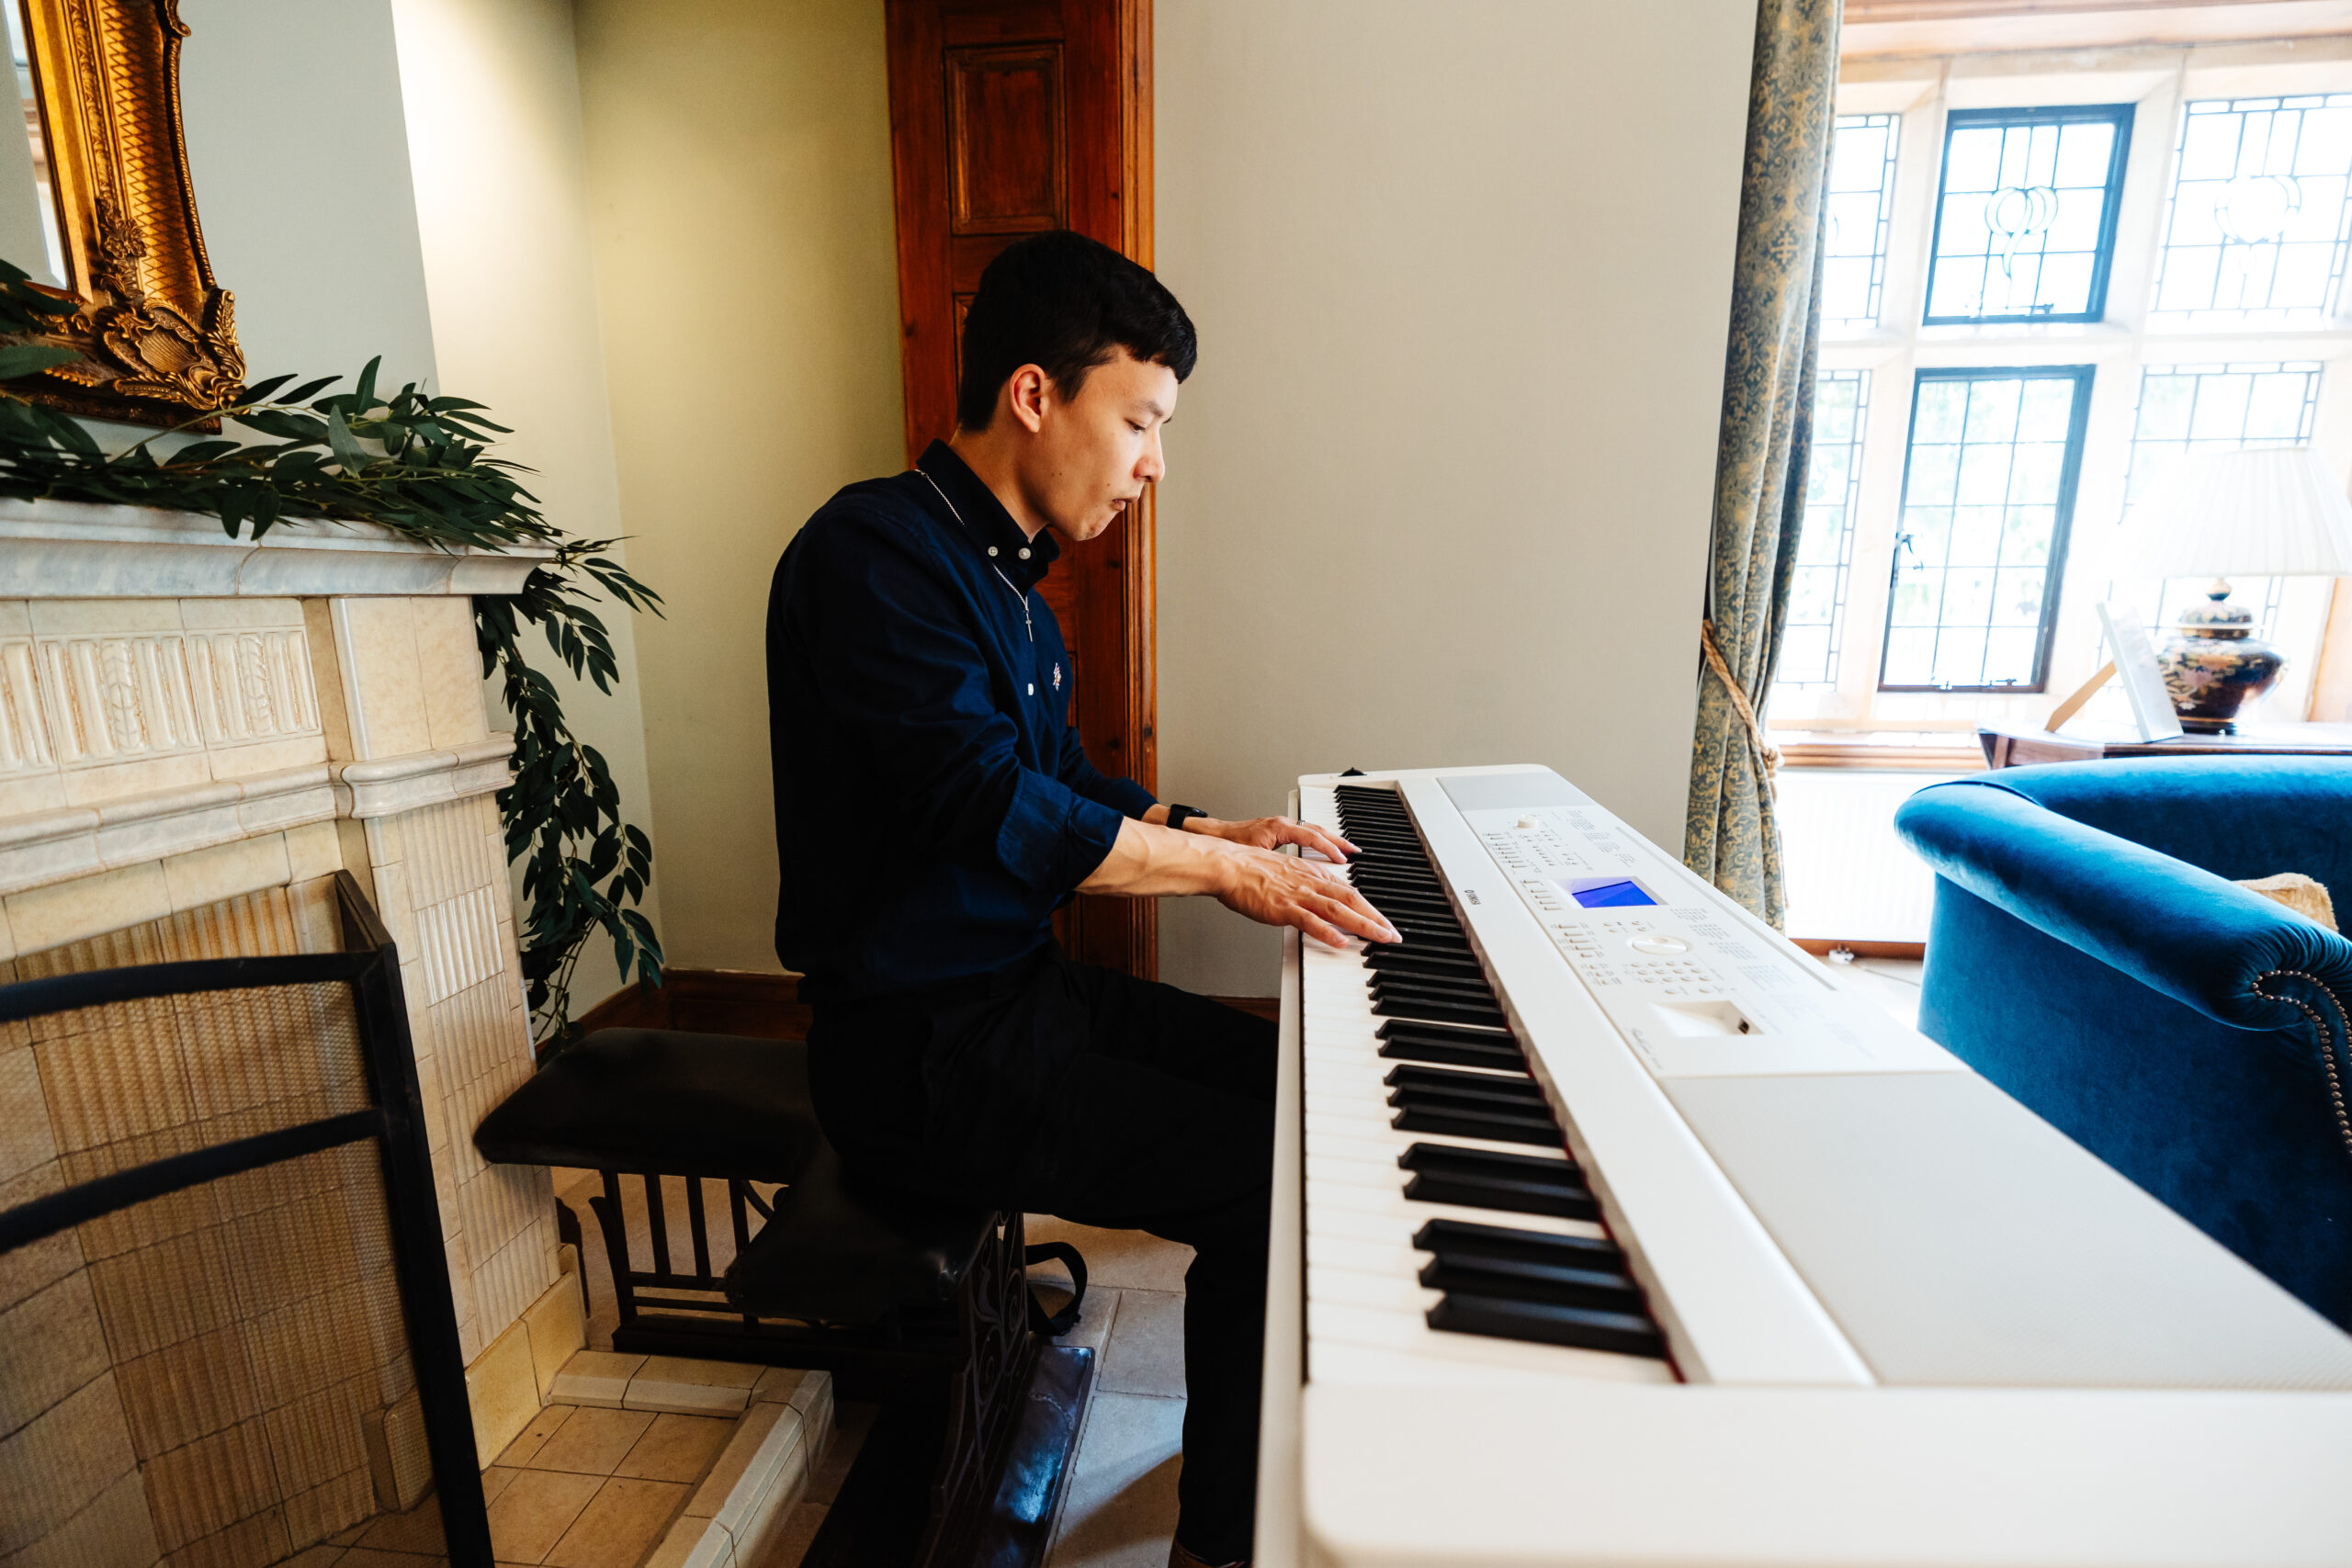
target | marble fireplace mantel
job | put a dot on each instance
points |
(196, 733)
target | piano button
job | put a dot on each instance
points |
(1547, 1323)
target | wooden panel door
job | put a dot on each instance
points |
(1007, 118)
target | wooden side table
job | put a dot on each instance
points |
(2090, 742)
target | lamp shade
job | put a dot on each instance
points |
(2264, 512)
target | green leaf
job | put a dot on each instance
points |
(346, 448)
(29, 359)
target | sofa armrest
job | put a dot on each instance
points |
(2207, 943)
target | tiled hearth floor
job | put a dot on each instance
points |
(599, 1486)
(1120, 1509)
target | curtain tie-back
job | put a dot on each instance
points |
(1767, 756)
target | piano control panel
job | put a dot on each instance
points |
(1692, 996)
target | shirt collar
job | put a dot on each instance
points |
(985, 522)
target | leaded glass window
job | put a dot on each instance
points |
(2025, 215)
(1825, 548)
(2193, 408)
(1861, 208)
(1988, 492)
(2255, 229)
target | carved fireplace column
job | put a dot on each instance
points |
(195, 733)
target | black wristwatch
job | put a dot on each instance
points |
(1176, 815)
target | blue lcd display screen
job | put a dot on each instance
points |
(1618, 893)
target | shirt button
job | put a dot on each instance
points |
(1024, 555)
(992, 549)
(1032, 688)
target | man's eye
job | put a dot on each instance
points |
(1134, 426)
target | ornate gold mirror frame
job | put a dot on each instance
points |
(157, 336)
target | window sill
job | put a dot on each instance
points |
(1904, 752)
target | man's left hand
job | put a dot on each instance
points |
(1273, 833)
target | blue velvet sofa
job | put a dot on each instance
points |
(2090, 956)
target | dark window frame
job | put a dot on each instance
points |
(2061, 529)
(2103, 260)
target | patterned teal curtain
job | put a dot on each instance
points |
(1729, 836)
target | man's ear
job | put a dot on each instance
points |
(1026, 392)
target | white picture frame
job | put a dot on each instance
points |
(2135, 667)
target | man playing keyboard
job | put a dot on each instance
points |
(934, 807)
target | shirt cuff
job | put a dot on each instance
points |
(1052, 837)
(1127, 797)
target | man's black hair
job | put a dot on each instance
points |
(1064, 302)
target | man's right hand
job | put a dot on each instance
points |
(1288, 890)
(1274, 889)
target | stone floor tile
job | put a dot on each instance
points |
(711, 1375)
(592, 1442)
(595, 1377)
(1147, 1349)
(676, 1447)
(534, 1433)
(1121, 1511)
(370, 1557)
(619, 1525)
(533, 1511)
(495, 1480)
(1120, 1260)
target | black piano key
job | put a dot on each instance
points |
(1489, 1178)
(1423, 1097)
(1438, 1012)
(1533, 1282)
(1516, 1087)
(1427, 904)
(1547, 1323)
(1457, 1051)
(1470, 1239)
(1495, 1126)
(1389, 959)
(1382, 982)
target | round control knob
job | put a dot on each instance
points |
(1527, 824)
(1660, 944)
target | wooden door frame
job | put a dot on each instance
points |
(1113, 202)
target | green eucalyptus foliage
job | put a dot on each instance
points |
(419, 466)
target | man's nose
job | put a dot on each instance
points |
(1153, 464)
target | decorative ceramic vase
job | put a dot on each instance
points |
(2214, 663)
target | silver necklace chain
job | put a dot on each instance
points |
(1016, 593)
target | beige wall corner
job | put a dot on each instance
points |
(740, 161)
(495, 142)
(1438, 490)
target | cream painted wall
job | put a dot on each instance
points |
(495, 139)
(300, 163)
(739, 165)
(1438, 493)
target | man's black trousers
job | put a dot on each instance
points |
(1061, 1089)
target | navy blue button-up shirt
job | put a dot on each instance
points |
(933, 803)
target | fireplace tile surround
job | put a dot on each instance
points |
(196, 733)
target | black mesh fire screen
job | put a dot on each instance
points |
(226, 1334)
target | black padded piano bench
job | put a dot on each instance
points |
(920, 1304)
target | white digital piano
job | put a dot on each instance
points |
(1611, 1228)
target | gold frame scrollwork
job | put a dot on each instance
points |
(157, 336)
